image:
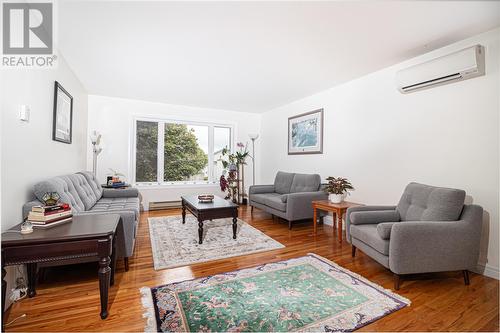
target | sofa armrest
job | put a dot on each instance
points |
(360, 209)
(27, 207)
(258, 189)
(433, 246)
(120, 193)
(299, 206)
(374, 216)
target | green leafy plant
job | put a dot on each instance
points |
(338, 185)
(230, 163)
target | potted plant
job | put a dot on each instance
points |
(338, 188)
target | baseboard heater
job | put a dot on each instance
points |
(157, 205)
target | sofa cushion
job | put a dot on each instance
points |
(117, 204)
(274, 201)
(284, 198)
(384, 229)
(421, 202)
(283, 182)
(261, 197)
(64, 187)
(84, 190)
(305, 183)
(367, 233)
(93, 182)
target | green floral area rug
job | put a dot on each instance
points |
(308, 293)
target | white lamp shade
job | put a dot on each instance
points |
(253, 136)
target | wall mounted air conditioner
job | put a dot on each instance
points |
(462, 65)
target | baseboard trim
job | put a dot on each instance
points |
(488, 270)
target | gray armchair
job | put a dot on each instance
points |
(430, 230)
(289, 197)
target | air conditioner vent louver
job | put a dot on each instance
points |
(458, 66)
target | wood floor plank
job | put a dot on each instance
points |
(69, 298)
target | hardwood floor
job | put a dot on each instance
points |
(69, 299)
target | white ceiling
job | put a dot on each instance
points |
(251, 56)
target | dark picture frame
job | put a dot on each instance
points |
(309, 126)
(62, 126)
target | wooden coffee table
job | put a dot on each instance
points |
(337, 209)
(217, 209)
(86, 236)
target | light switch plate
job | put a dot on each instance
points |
(24, 113)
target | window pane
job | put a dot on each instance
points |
(186, 153)
(222, 139)
(146, 152)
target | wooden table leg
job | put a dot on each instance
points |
(183, 212)
(104, 281)
(315, 218)
(200, 231)
(340, 226)
(113, 263)
(4, 290)
(31, 268)
(235, 226)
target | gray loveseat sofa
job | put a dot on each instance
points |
(430, 230)
(86, 196)
(289, 197)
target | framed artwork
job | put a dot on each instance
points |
(305, 133)
(62, 127)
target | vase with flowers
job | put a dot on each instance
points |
(338, 188)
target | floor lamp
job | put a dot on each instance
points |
(253, 137)
(95, 138)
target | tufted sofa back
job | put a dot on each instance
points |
(421, 202)
(73, 189)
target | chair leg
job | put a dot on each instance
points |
(466, 277)
(125, 261)
(289, 225)
(397, 281)
(353, 251)
(251, 210)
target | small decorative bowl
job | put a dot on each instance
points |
(206, 198)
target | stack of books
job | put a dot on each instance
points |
(115, 182)
(49, 216)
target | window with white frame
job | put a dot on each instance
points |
(177, 152)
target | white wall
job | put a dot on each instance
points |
(381, 139)
(28, 153)
(113, 118)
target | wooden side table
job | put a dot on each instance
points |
(338, 209)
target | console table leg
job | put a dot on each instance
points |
(31, 268)
(200, 232)
(104, 280)
(235, 226)
(183, 213)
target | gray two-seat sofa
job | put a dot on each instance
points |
(430, 230)
(85, 195)
(289, 197)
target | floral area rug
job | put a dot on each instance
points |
(308, 293)
(175, 244)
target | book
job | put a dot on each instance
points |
(43, 209)
(50, 222)
(118, 184)
(48, 218)
(50, 225)
(52, 212)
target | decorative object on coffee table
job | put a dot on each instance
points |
(338, 188)
(50, 198)
(305, 133)
(206, 198)
(308, 293)
(337, 209)
(175, 244)
(217, 209)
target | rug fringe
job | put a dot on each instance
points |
(365, 280)
(148, 308)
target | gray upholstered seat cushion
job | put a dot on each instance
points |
(117, 204)
(261, 197)
(384, 229)
(305, 183)
(374, 216)
(274, 201)
(421, 202)
(283, 182)
(367, 233)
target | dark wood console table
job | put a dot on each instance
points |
(87, 236)
(217, 209)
